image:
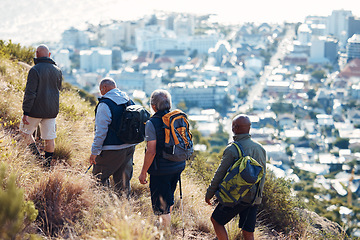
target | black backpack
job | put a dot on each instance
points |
(131, 127)
(132, 124)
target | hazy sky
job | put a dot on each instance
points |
(26, 21)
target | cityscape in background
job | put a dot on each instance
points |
(298, 82)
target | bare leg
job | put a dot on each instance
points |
(50, 145)
(165, 220)
(28, 138)
(248, 235)
(220, 230)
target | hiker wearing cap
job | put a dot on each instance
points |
(110, 156)
(41, 103)
(247, 208)
(164, 174)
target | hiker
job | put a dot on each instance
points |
(109, 155)
(164, 174)
(41, 103)
(247, 211)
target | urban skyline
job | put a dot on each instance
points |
(29, 22)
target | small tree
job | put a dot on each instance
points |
(342, 143)
(311, 94)
(16, 214)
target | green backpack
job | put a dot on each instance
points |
(243, 175)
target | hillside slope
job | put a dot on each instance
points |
(72, 206)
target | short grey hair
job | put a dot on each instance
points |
(108, 82)
(161, 99)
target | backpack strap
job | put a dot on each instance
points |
(124, 105)
(239, 148)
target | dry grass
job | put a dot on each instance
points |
(70, 204)
(61, 198)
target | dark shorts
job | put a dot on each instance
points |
(162, 190)
(247, 214)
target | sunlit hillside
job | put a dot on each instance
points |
(66, 203)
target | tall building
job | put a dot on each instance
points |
(331, 49)
(337, 23)
(184, 26)
(62, 59)
(304, 34)
(74, 38)
(354, 26)
(353, 47)
(323, 50)
(114, 35)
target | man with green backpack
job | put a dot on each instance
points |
(252, 167)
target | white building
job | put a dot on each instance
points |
(353, 47)
(62, 59)
(114, 35)
(203, 43)
(221, 50)
(155, 39)
(184, 25)
(304, 34)
(199, 94)
(323, 49)
(96, 59)
(129, 81)
(337, 23)
(74, 38)
(254, 63)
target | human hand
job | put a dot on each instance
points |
(92, 159)
(142, 178)
(207, 200)
(25, 120)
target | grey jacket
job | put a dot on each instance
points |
(103, 119)
(251, 148)
(41, 98)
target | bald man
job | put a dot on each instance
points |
(222, 215)
(41, 103)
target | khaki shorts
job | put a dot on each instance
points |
(47, 127)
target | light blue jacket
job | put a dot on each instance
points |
(103, 119)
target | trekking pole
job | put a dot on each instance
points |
(88, 169)
(182, 207)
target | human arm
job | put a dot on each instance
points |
(148, 159)
(30, 91)
(150, 138)
(102, 122)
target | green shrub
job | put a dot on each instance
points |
(16, 214)
(279, 207)
(16, 52)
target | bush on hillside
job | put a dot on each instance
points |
(279, 207)
(60, 200)
(82, 93)
(16, 52)
(16, 214)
